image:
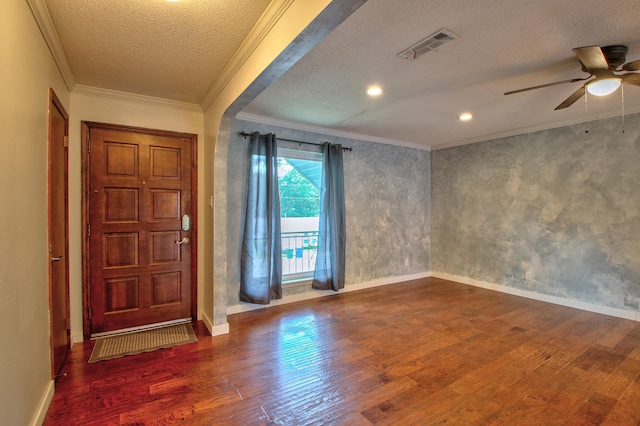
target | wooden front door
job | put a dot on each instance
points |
(58, 234)
(140, 230)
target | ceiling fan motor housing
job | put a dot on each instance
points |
(615, 55)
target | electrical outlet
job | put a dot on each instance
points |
(406, 261)
(527, 275)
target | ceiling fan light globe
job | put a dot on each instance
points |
(604, 87)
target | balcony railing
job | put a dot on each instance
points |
(299, 253)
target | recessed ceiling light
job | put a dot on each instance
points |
(465, 116)
(374, 91)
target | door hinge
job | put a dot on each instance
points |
(89, 146)
(67, 323)
(66, 141)
(88, 230)
(89, 312)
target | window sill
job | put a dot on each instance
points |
(297, 282)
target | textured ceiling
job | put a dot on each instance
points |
(503, 45)
(177, 50)
(172, 50)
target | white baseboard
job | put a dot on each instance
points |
(314, 294)
(77, 337)
(605, 310)
(614, 312)
(214, 330)
(207, 322)
(41, 412)
(385, 281)
(220, 329)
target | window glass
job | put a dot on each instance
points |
(299, 174)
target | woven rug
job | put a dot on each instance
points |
(142, 341)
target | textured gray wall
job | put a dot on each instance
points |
(387, 193)
(555, 212)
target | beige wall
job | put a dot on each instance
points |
(27, 71)
(103, 106)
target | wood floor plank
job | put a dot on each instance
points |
(423, 352)
(593, 411)
(417, 407)
(626, 411)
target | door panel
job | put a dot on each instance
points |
(140, 184)
(58, 235)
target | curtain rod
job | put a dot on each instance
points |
(344, 148)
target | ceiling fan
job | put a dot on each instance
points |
(602, 64)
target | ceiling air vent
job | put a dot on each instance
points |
(430, 43)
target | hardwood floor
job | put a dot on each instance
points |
(424, 352)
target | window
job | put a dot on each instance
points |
(299, 174)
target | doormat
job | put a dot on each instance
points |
(142, 341)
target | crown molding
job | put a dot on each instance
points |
(326, 131)
(533, 129)
(43, 19)
(81, 89)
(432, 147)
(269, 18)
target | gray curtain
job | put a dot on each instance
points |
(261, 257)
(330, 260)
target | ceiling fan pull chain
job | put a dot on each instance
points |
(586, 112)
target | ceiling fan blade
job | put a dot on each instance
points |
(632, 66)
(591, 57)
(573, 80)
(633, 79)
(571, 99)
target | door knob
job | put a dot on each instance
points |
(185, 240)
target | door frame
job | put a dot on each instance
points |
(54, 102)
(86, 269)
